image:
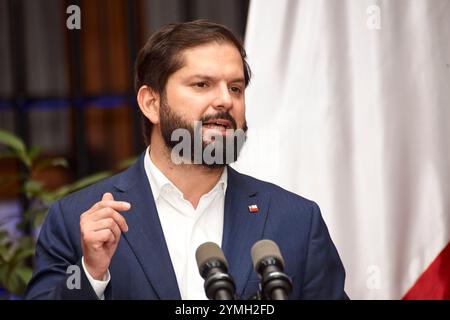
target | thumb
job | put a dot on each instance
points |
(107, 196)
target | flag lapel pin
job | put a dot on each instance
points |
(253, 208)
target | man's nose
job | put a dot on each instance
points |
(223, 99)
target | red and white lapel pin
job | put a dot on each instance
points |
(253, 208)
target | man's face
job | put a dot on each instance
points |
(208, 88)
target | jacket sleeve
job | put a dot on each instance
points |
(324, 273)
(56, 252)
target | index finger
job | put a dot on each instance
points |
(110, 213)
(113, 204)
(107, 196)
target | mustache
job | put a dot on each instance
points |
(220, 115)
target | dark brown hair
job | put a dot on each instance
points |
(161, 55)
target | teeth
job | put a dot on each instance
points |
(215, 125)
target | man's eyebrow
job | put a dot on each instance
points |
(206, 77)
(241, 80)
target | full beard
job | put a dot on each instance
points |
(224, 149)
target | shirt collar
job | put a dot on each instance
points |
(158, 181)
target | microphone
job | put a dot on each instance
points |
(269, 264)
(213, 267)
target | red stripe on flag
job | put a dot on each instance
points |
(434, 283)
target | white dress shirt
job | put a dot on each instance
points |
(185, 228)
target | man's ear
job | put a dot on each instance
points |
(148, 101)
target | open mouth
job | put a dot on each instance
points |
(220, 124)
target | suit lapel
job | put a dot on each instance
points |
(146, 239)
(241, 227)
(145, 235)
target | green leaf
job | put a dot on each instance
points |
(26, 242)
(4, 253)
(60, 162)
(14, 284)
(34, 152)
(24, 274)
(47, 163)
(51, 196)
(3, 236)
(2, 273)
(84, 182)
(40, 217)
(25, 158)
(32, 188)
(12, 141)
(126, 163)
(23, 254)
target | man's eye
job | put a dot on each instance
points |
(236, 89)
(200, 84)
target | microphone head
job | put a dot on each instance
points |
(209, 251)
(264, 249)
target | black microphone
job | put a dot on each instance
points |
(269, 264)
(213, 267)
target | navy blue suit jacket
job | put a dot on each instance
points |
(141, 267)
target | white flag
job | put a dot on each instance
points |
(349, 105)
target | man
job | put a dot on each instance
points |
(134, 235)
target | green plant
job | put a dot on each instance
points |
(16, 261)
